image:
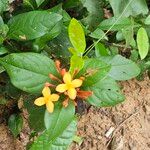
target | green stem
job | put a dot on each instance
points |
(94, 44)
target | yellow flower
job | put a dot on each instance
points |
(47, 99)
(69, 86)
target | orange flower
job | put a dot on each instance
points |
(47, 99)
(69, 86)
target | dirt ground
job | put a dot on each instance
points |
(124, 127)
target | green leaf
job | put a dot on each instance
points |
(121, 68)
(32, 25)
(61, 115)
(105, 93)
(76, 63)
(39, 2)
(94, 70)
(147, 20)
(58, 47)
(61, 128)
(3, 30)
(128, 35)
(135, 7)
(134, 55)
(78, 140)
(41, 42)
(3, 5)
(117, 25)
(142, 42)
(15, 124)
(77, 37)
(101, 50)
(28, 71)
(71, 4)
(98, 34)
(1, 69)
(95, 13)
(36, 114)
(3, 50)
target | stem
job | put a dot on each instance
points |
(94, 44)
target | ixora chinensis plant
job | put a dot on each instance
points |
(58, 88)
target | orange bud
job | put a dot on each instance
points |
(63, 71)
(65, 102)
(84, 94)
(57, 64)
(49, 85)
(54, 78)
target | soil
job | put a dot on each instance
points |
(124, 127)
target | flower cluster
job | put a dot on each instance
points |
(68, 86)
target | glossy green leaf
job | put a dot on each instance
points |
(142, 42)
(3, 5)
(28, 71)
(106, 93)
(15, 124)
(113, 24)
(39, 2)
(121, 68)
(76, 63)
(134, 7)
(41, 42)
(58, 47)
(36, 114)
(94, 70)
(61, 128)
(61, 115)
(77, 37)
(32, 25)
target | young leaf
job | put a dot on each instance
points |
(105, 93)
(94, 70)
(15, 124)
(32, 25)
(142, 42)
(61, 128)
(121, 68)
(76, 63)
(77, 37)
(28, 71)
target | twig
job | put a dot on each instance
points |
(121, 124)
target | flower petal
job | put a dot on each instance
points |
(54, 97)
(72, 93)
(61, 88)
(46, 92)
(39, 101)
(67, 77)
(50, 106)
(77, 83)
